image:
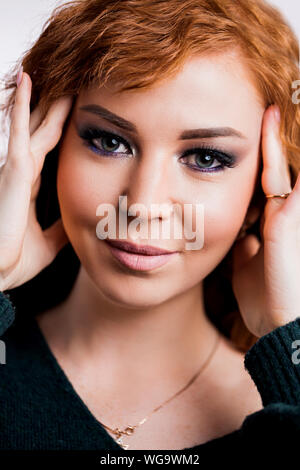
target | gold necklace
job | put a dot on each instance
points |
(129, 430)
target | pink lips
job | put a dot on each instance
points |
(139, 257)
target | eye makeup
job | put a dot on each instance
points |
(91, 134)
(203, 155)
(206, 154)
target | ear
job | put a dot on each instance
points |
(251, 217)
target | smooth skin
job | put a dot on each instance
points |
(109, 310)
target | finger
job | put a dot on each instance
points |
(275, 176)
(35, 188)
(19, 137)
(36, 118)
(49, 132)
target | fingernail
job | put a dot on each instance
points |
(19, 76)
(277, 113)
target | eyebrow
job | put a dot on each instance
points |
(185, 135)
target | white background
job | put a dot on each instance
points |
(21, 22)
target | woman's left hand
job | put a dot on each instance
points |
(266, 276)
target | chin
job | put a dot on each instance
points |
(134, 290)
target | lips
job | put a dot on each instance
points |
(145, 250)
(141, 257)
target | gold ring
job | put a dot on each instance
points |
(284, 196)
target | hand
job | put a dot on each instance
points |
(266, 276)
(25, 249)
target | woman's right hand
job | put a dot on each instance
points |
(25, 249)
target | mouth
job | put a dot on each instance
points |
(139, 257)
(146, 250)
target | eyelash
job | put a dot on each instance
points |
(226, 160)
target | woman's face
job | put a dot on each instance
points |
(144, 161)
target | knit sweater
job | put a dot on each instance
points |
(40, 410)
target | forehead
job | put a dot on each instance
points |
(208, 90)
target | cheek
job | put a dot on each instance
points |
(227, 207)
(81, 187)
(224, 217)
(224, 209)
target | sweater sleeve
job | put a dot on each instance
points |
(274, 365)
(7, 312)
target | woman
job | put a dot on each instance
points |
(193, 114)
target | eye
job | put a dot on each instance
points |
(103, 142)
(107, 144)
(202, 159)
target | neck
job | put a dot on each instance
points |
(171, 339)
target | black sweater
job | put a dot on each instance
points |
(39, 408)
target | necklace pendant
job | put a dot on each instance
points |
(121, 443)
(117, 432)
(129, 430)
(119, 439)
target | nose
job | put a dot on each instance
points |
(149, 188)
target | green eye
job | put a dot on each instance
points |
(109, 144)
(204, 159)
(104, 143)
